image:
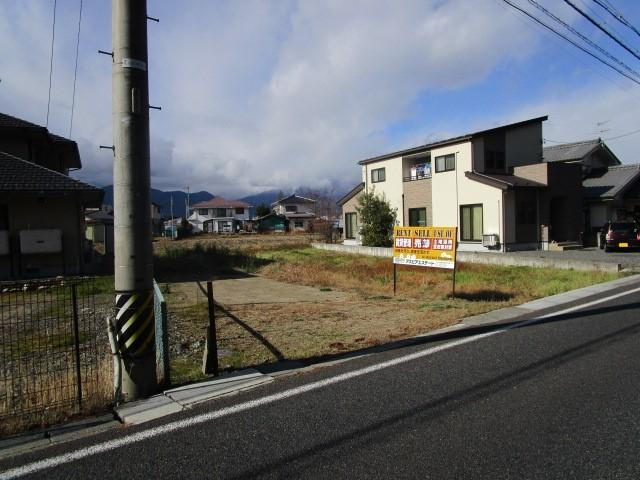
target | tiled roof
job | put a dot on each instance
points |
(567, 152)
(9, 121)
(294, 199)
(219, 202)
(18, 175)
(612, 182)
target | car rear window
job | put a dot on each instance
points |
(622, 227)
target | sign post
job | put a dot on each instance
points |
(425, 247)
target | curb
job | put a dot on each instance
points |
(182, 398)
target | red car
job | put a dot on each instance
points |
(621, 235)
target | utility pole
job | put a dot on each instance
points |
(135, 327)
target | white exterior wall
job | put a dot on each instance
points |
(197, 220)
(452, 189)
(391, 188)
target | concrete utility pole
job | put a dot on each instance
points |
(135, 328)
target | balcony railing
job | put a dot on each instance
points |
(418, 172)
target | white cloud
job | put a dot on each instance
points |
(258, 95)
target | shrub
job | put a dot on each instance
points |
(378, 219)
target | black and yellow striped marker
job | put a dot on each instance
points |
(135, 326)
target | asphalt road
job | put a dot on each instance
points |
(555, 399)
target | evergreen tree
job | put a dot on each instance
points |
(262, 210)
(377, 218)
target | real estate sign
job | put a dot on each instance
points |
(425, 246)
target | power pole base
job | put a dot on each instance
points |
(138, 377)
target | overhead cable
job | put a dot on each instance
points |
(75, 71)
(584, 38)
(617, 15)
(604, 30)
(624, 74)
(53, 39)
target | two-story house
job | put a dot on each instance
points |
(299, 211)
(41, 207)
(219, 215)
(492, 184)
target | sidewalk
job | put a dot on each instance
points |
(179, 399)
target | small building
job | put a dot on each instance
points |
(219, 215)
(299, 211)
(99, 229)
(272, 223)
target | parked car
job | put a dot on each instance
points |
(621, 235)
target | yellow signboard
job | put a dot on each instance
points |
(425, 246)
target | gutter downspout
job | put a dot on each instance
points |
(504, 231)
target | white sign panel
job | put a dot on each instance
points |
(40, 241)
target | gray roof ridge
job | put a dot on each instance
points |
(573, 144)
(623, 166)
(67, 177)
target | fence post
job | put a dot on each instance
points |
(163, 370)
(76, 338)
(210, 357)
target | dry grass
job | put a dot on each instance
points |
(44, 406)
(370, 314)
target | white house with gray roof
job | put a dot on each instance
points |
(300, 211)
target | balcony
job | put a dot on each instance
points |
(418, 171)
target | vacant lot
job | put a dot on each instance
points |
(365, 313)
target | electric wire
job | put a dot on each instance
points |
(571, 41)
(617, 15)
(75, 71)
(604, 30)
(53, 39)
(584, 38)
(623, 135)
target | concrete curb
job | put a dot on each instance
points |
(486, 258)
(185, 397)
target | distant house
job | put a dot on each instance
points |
(99, 228)
(299, 211)
(219, 215)
(156, 219)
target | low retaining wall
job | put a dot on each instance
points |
(484, 258)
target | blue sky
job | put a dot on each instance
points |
(258, 95)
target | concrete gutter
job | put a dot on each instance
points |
(485, 258)
(182, 398)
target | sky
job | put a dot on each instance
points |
(281, 94)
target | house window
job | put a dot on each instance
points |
(350, 225)
(378, 175)
(471, 223)
(299, 223)
(494, 160)
(417, 217)
(203, 211)
(446, 163)
(220, 212)
(239, 211)
(291, 208)
(526, 212)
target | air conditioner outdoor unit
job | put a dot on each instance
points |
(490, 240)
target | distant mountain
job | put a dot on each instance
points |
(164, 200)
(267, 198)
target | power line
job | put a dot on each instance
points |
(571, 41)
(53, 38)
(617, 15)
(606, 32)
(623, 135)
(75, 71)
(584, 38)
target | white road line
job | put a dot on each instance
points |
(207, 417)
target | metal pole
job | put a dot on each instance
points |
(76, 341)
(210, 357)
(132, 199)
(394, 279)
